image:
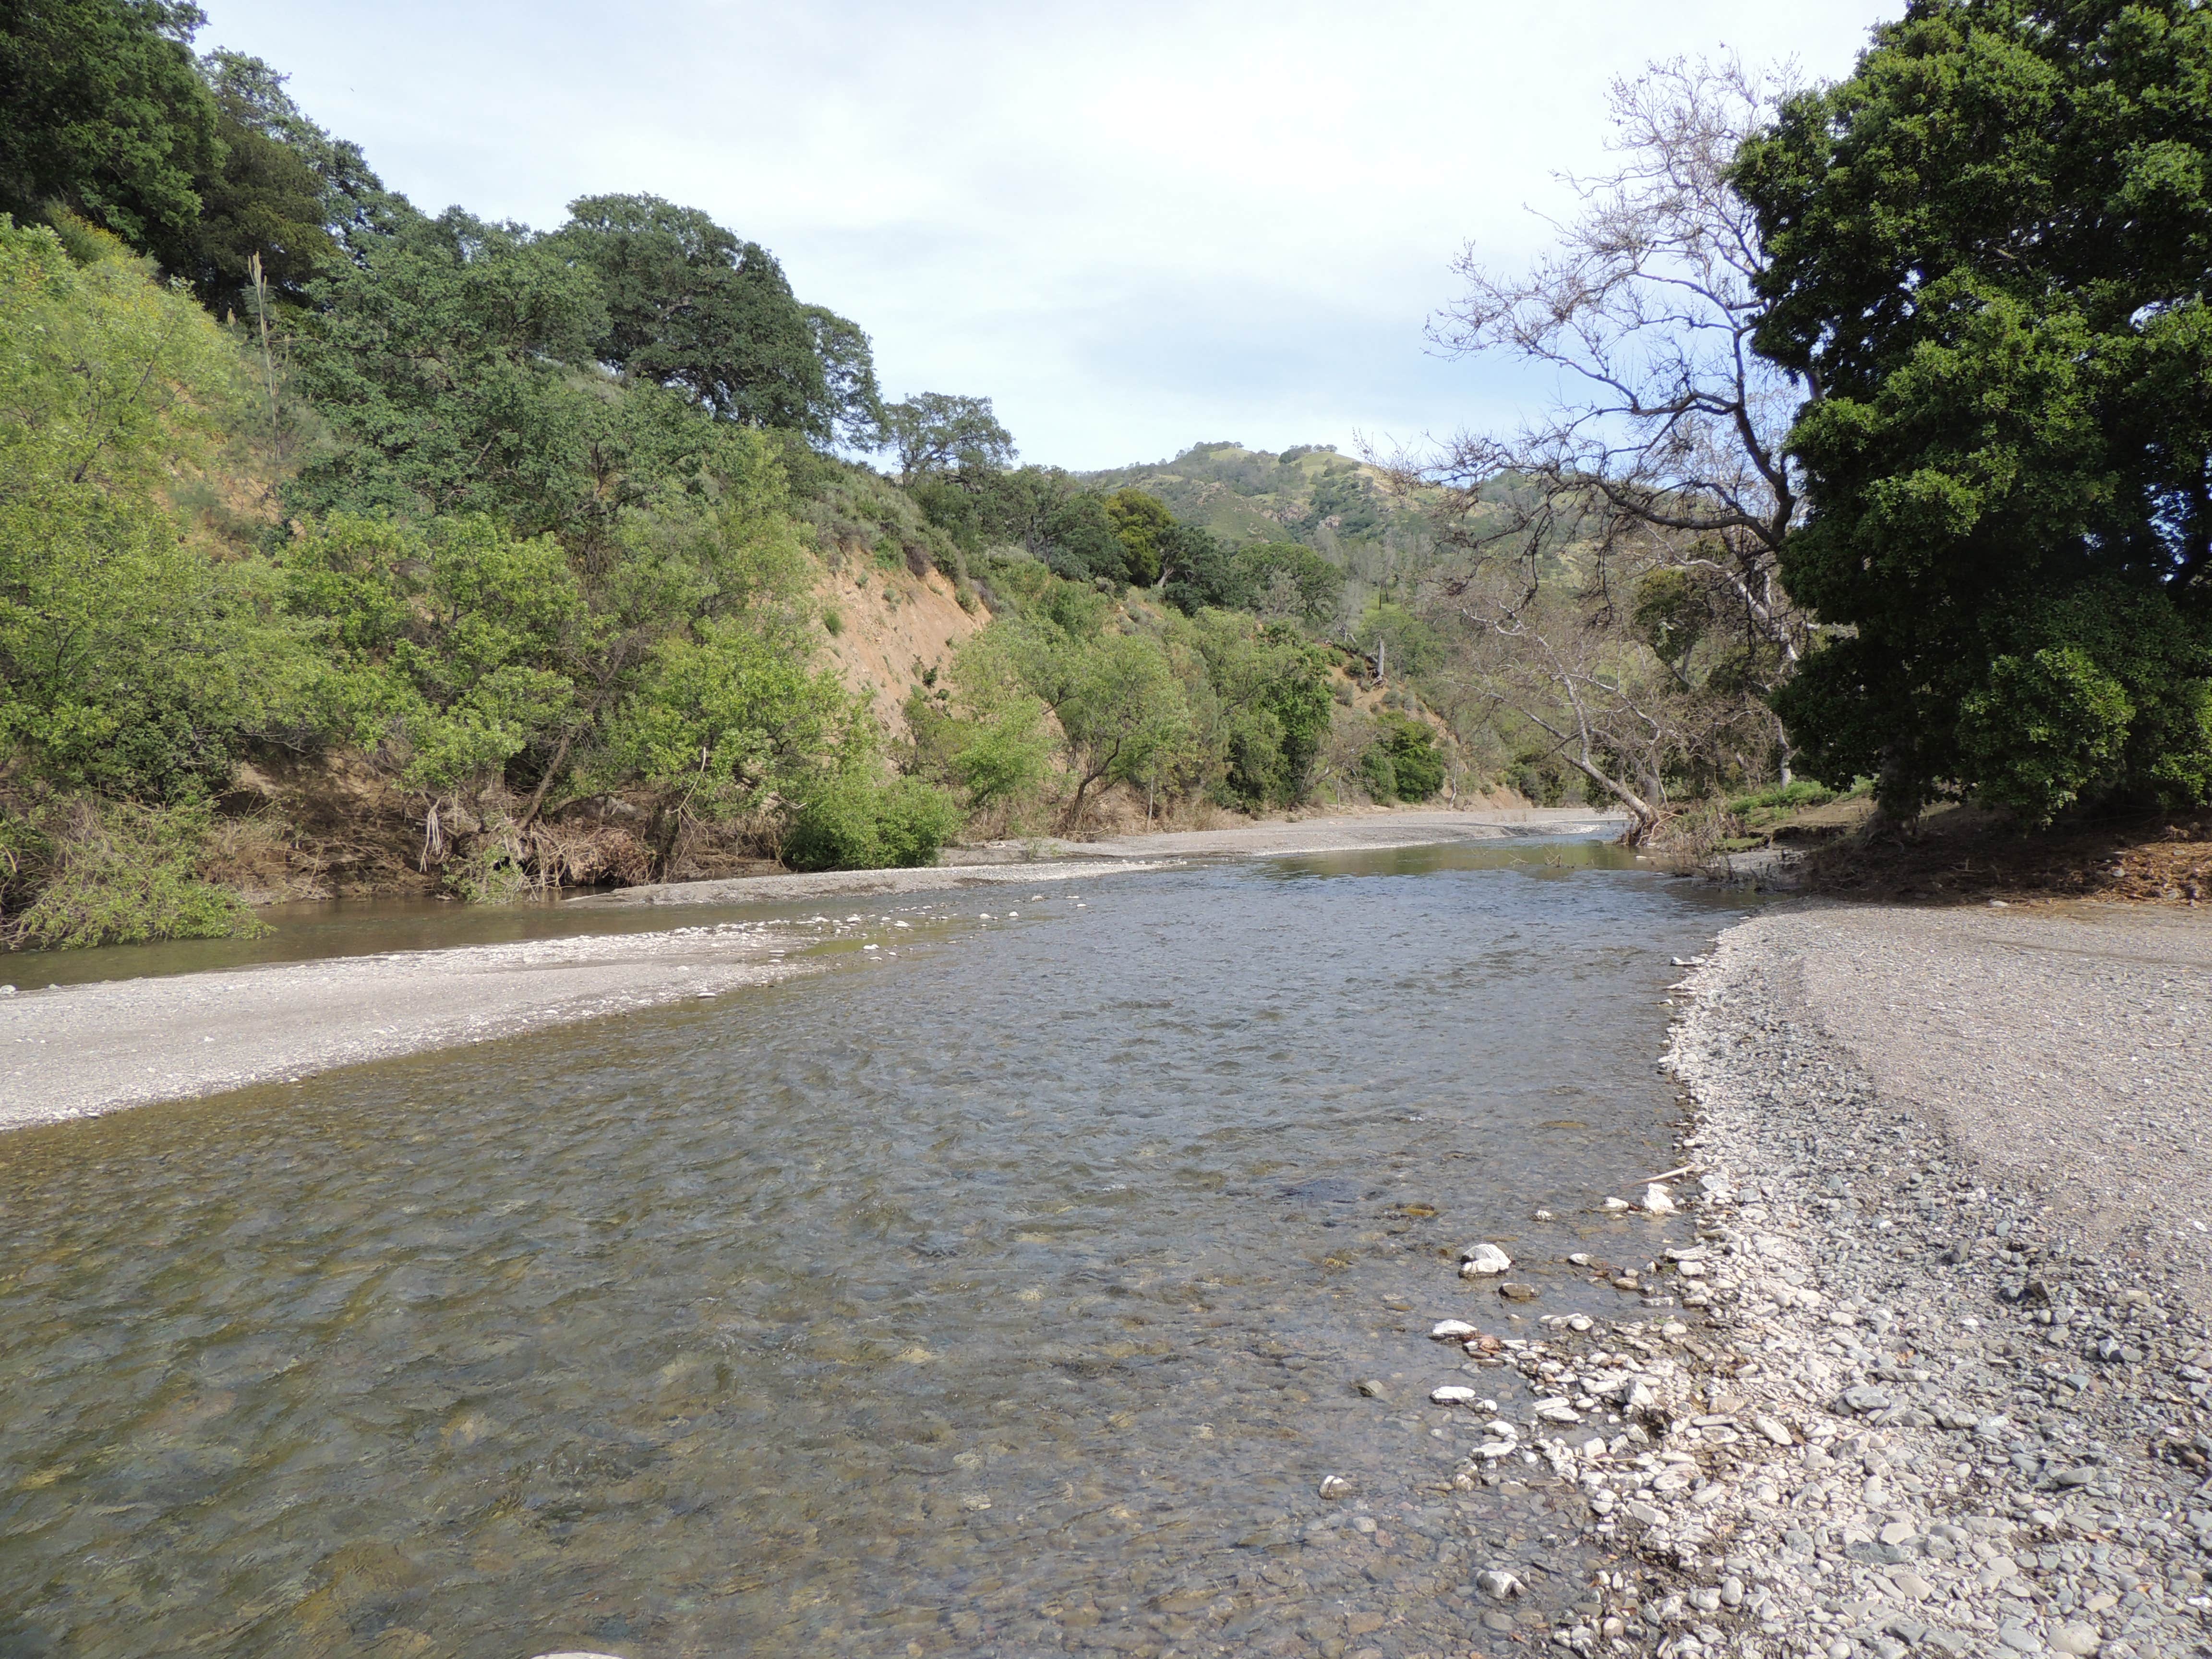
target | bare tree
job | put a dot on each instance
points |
(1666, 452)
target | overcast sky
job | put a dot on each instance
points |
(1134, 226)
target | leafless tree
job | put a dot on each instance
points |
(1610, 706)
(1665, 450)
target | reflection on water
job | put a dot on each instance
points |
(1008, 1296)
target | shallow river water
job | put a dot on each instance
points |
(1008, 1294)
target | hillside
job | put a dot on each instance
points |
(1308, 494)
(895, 633)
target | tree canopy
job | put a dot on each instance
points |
(105, 114)
(690, 304)
(1989, 252)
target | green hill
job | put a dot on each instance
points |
(1308, 494)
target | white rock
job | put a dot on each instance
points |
(1335, 1485)
(1499, 1584)
(2076, 1639)
(1452, 1395)
(1616, 1204)
(1480, 1261)
(1446, 1330)
(1557, 1411)
(1655, 1202)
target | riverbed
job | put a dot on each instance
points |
(1005, 1288)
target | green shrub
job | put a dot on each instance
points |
(832, 619)
(851, 824)
(1792, 797)
(1378, 775)
(123, 874)
(914, 820)
(1416, 765)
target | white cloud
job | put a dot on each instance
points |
(1134, 226)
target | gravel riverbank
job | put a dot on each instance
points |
(78, 1050)
(1932, 1376)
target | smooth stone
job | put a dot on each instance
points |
(2079, 1639)
(1655, 1201)
(1482, 1260)
(1445, 1330)
(1335, 1485)
(1451, 1394)
(1515, 1292)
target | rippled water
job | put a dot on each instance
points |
(1005, 1297)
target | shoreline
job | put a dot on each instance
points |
(86, 1049)
(1904, 1407)
(1049, 858)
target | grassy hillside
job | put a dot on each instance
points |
(1308, 494)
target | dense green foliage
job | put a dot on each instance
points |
(686, 303)
(524, 535)
(105, 114)
(851, 822)
(1989, 253)
(1215, 706)
(129, 664)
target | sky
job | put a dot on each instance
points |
(1134, 226)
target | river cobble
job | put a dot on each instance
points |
(1882, 1405)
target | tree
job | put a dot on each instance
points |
(1669, 452)
(284, 190)
(1289, 580)
(1272, 688)
(440, 355)
(938, 433)
(1986, 257)
(1197, 571)
(1141, 523)
(104, 113)
(129, 663)
(688, 304)
(855, 410)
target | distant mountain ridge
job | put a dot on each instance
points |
(1308, 493)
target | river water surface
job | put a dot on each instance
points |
(1005, 1290)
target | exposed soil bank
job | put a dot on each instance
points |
(1013, 863)
(1940, 1375)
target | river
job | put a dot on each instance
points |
(1003, 1290)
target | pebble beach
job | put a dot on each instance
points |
(1904, 1393)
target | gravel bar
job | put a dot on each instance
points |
(79, 1050)
(1933, 1376)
